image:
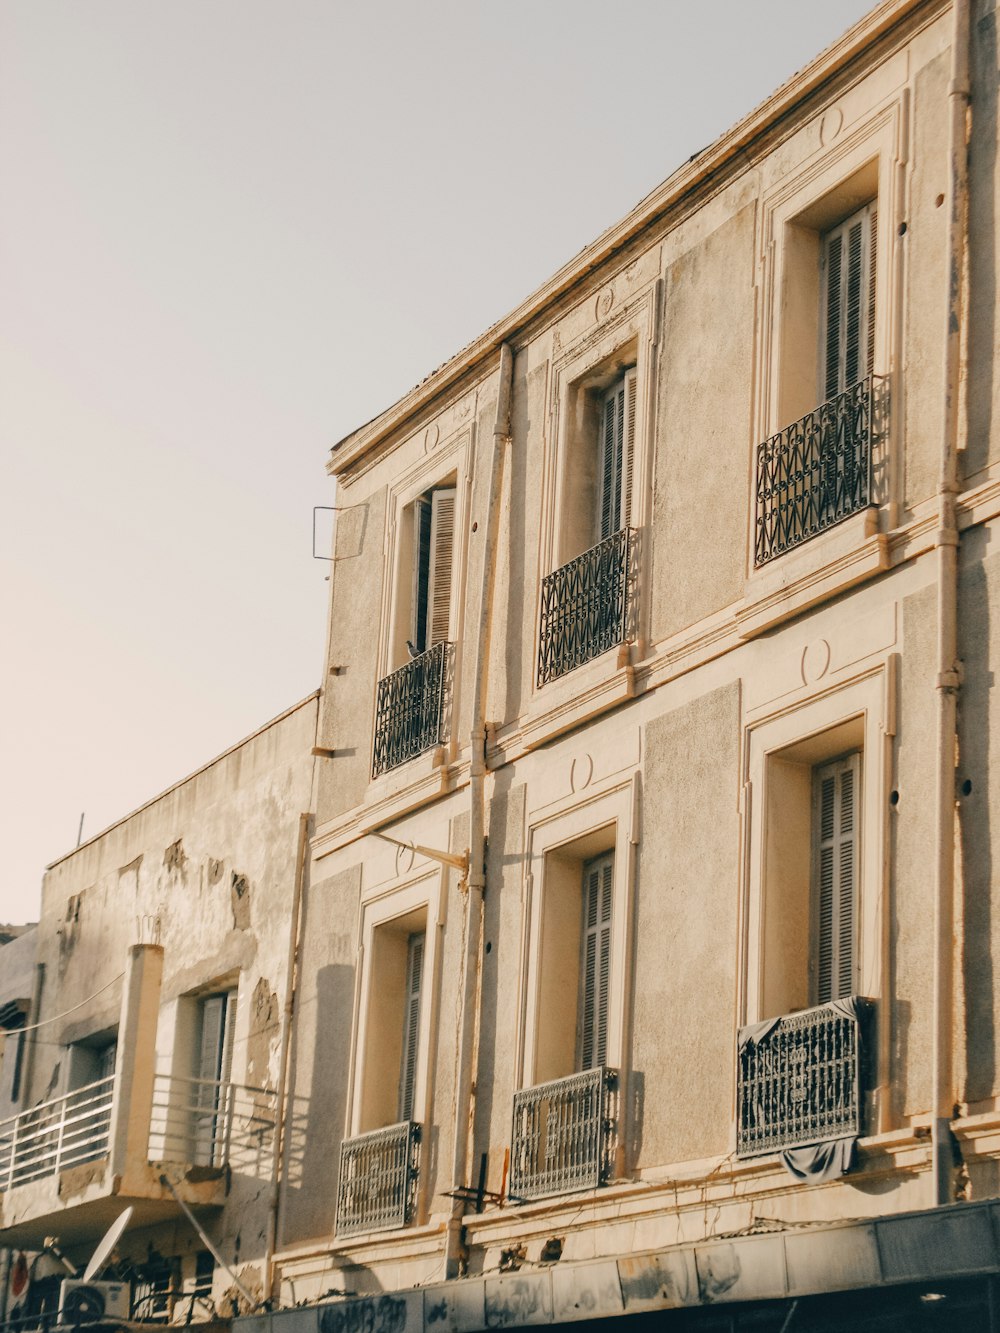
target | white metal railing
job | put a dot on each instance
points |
(206, 1123)
(58, 1134)
(194, 1121)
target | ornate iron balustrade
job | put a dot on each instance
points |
(378, 1179)
(64, 1132)
(800, 1078)
(816, 472)
(409, 709)
(565, 1135)
(587, 606)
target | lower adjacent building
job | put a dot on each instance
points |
(148, 1074)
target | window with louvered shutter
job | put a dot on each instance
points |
(595, 963)
(213, 1016)
(848, 287)
(442, 551)
(836, 853)
(617, 455)
(228, 1038)
(218, 1023)
(411, 1023)
(214, 1067)
(433, 557)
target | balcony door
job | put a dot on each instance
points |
(213, 1071)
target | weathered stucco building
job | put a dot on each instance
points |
(150, 1069)
(641, 945)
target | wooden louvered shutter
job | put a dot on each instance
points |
(608, 502)
(215, 1061)
(617, 453)
(848, 324)
(228, 1036)
(213, 1026)
(218, 1024)
(628, 458)
(598, 878)
(442, 553)
(870, 313)
(107, 1060)
(411, 1024)
(837, 844)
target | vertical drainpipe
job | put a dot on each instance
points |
(472, 960)
(948, 673)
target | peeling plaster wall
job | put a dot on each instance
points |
(17, 981)
(208, 871)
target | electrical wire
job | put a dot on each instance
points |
(33, 1027)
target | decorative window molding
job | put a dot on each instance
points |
(803, 218)
(595, 836)
(603, 379)
(395, 1018)
(783, 937)
(423, 608)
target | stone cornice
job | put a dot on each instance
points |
(705, 172)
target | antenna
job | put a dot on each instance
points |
(107, 1244)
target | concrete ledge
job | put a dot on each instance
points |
(761, 1265)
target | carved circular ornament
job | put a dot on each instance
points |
(581, 770)
(815, 661)
(404, 860)
(604, 303)
(431, 437)
(831, 125)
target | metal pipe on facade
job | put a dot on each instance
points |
(948, 671)
(472, 959)
(281, 1117)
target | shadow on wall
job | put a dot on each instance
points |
(316, 1122)
(975, 844)
(982, 257)
(496, 1033)
(512, 542)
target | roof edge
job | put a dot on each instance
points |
(188, 777)
(800, 85)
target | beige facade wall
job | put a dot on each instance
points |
(687, 752)
(682, 762)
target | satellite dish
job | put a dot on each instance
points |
(108, 1243)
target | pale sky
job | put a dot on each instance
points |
(232, 231)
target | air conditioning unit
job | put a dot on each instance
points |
(88, 1302)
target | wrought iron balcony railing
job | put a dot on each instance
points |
(565, 1135)
(378, 1179)
(64, 1132)
(206, 1123)
(587, 606)
(800, 1079)
(816, 472)
(410, 709)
